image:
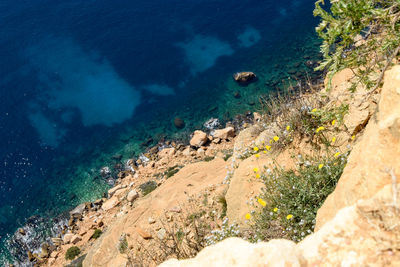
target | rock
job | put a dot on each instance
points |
(186, 152)
(143, 233)
(374, 160)
(78, 210)
(67, 238)
(257, 116)
(161, 234)
(199, 138)
(244, 140)
(166, 152)
(175, 209)
(132, 195)
(56, 241)
(114, 189)
(105, 171)
(236, 94)
(75, 239)
(51, 261)
(179, 123)
(30, 256)
(151, 220)
(244, 77)
(111, 203)
(21, 231)
(224, 134)
(237, 252)
(44, 251)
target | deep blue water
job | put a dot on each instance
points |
(83, 80)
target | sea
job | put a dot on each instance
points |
(88, 84)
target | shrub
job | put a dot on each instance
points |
(97, 233)
(209, 158)
(171, 171)
(72, 252)
(291, 198)
(148, 187)
(222, 200)
(363, 35)
(123, 244)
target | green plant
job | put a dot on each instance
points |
(148, 187)
(72, 252)
(208, 158)
(123, 244)
(171, 171)
(291, 198)
(222, 200)
(97, 233)
(363, 35)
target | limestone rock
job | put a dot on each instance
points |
(113, 190)
(237, 252)
(143, 233)
(373, 157)
(132, 195)
(244, 140)
(75, 239)
(244, 77)
(225, 133)
(78, 210)
(110, 203)
(166, 152)
(67, 238)
(199, 138)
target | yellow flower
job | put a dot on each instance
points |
(276, 209)
(333, 140)
(268, 148)
(276, 138)
(262, 202)
(257, 155)
(290, 216)
(333, 122)
(256, 169)
(320, 166)
(271, 141)
(337, 154)
(265, 152)
(255, 149)
(288, 128)
(321, 128)
(248, 216)
(314, 110)
(353, 137)
(258, 175)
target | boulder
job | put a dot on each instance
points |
(225, 133)
(110, 203)
(374, 160)
(199, 138)
(75, 239)
(132, 195)
(244, 77)
(67, 238)
(143, 233)
(166, 152)
(237, 252)
(78, 210)
(114, 189)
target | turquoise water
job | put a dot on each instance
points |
(82, 81)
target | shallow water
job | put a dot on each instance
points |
(84, 80)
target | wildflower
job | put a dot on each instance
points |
(262, 202)
(256, 169)
(321, 128)
(257, 155)
(333, 140)
(248, 216)
(268, 148)
(290, 216)
(258, 175)
(320, 166)
(353, 137)
(275, 209)
(265, 152)
(337, 154)
(333, 122)
(271, 141)
(314, 110)
(276, 138)
(255, 149)
(288, 128)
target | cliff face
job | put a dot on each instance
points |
(359, 223)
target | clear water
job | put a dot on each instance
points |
(81, 81)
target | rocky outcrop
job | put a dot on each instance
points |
(224, 134)
(367, 233)
(244, 77)
(374, 161)
(199, 138)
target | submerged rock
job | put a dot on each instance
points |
(212, 124)
(179, 123)
(244, 77)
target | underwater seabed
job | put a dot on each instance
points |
(78, 173)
